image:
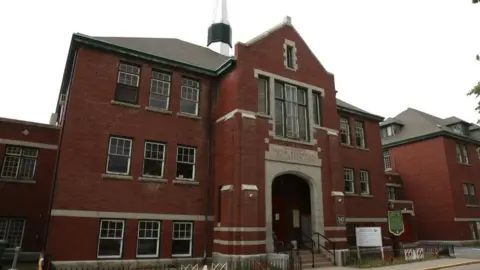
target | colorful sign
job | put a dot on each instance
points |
(395, 223)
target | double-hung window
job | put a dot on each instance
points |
(349, 180)
(119, 155)
(19, 163)
(110, 238)
(160, 90)
(291, 120)
(364, 182)
(182, 239)
(189, 96)
(462, 153)
(344, 131)
(128, 80)
(470, 194)
(11, 230)
(154, 159)
(386, 160)
(186, 163)
(148, 240)
(360, 134)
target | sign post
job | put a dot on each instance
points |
(395, 223)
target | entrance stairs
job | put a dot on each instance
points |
(319, 260)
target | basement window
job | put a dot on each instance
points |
(185, 163)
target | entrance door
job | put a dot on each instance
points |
(279, 219)
(307, 230)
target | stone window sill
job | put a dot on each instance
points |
(185, 182)
(366, 195)
(363, 149)
(191, 116)
(347, 145)
(351, 194)
(17, 181)
(152, 179)
(263, 115)
(156, 110)
(116, 176)
(312, 142)
(124, 104)
(472, 205)
(465, 164)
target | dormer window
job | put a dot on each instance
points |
(460, 128)
(390, 130)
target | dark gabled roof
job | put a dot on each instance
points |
(418, 125)
(390, 121)
(349, 108)
(171, 48)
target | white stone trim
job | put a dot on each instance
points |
(401, 201)
(249, 187)
(29, 144)
(366, 219)
(336, 228)
(239, 229)
(126, 215)
(393, 185)
(229, 115)
(337, 194)
(466, 219)
(239, 243)
(312, 175)
(286, 21)
(294, 56)
(227, 188)
(258, 72)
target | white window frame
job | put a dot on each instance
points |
(7, 222)
(162, 78)
(122, 238)
(194, 87)
(21, 157)
(365, 179)
(345, 129)
(387, 162)
(290, 111)
(128, 70)
(149, 238)
(390, 131)
(349, 176)
(360, 132)
(129, 156)
(162, 159)
(266, 92)
(191, 237)
(184, 162)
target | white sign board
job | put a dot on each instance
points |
(369, 236)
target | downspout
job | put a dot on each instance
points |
(55, 172)
(209, 170)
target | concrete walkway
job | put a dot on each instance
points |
(434, 264)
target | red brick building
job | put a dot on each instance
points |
(28, 152)
(438, 161)
(171, 150)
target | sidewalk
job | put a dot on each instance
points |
(410, 266)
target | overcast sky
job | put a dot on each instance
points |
(386, 55)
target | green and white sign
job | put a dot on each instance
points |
(395, 223)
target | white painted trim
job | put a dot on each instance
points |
(366, 219)
(29, 144)
(337, 194)
(249, 187)
(330, 131)
(126, 215)
(227, 188)
(240, 229)
(336, 228)
(466, 219)
(239, 243)
(27, 123)
(258, 72)
(393, 185)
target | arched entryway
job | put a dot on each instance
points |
(291, 209)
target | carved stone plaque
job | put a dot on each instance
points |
(293, 155)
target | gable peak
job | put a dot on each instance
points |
(287, 21)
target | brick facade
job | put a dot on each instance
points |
(25, 198)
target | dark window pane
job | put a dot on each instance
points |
(302, 120)
(117, 164)
(278, 90)
(158, 101)
(126, 93)
(181, 247)
(109, 247)
(279, 119)
(147, 247)
(184, 170)
(187, 106)
(262, 95)
(152, 167)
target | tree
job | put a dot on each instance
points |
(476, 1)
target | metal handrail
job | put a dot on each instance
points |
(312, 250)
(325, 248)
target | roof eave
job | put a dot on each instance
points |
(80, 39)
(363, 114)
(430, 136)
